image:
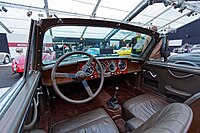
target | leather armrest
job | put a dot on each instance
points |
(133, 123)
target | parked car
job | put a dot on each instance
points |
(123, 51)
(4, 57)
(19, 61)
(93, 51)
(196, 47)
(71, 94)
(192, 58)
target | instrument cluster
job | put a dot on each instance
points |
(109, 67)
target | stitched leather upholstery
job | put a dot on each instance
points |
(144, 106)
(95, 121)
(174, 118)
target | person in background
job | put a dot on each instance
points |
(137, 43)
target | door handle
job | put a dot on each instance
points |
(152, 75)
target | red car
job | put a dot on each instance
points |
(18, 64)
(19, 61)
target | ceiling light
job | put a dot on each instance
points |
(178, 5)
(190, 13)
(29, 13)
(40, 15)
(55, 15)
(4, 9)
(167, 3)
(182, 9)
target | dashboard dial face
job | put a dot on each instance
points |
(122, 65)
(88, 69)
(103, 65)
(112, 66)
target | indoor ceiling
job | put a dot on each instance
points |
(17, 18)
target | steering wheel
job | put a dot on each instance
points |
(79, 76)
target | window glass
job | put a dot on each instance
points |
(177, 53)
(187, 54)
(98, 41)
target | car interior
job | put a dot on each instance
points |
(107, 94)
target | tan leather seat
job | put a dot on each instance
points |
(143, 106)
(95, 121)
(174, 118)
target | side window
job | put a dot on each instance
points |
(186, 54)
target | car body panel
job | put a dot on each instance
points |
(2, 56)
(123, 51)
(193, 57)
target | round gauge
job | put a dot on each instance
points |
(122, 65)
(103, 65)
(112, 66)
(88, 69)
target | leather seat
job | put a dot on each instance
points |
(143, 106)
(97, 121)
(174, 118)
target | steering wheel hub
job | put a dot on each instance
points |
(81, 75)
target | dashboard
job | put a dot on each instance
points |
(110, 67)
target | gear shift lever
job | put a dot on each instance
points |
(113, 102)
(116, 91)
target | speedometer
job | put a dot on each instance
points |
(103, 65)
(88, 69)
(112, 66)
(122, 65)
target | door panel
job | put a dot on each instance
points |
(170, 80)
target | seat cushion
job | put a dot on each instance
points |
(174, 118)
(95, 121)
(143, 106)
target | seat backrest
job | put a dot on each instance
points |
(194, 102)
(174, 118)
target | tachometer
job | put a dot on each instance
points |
(88, 69)
(103, 65)
(112, 66)
(122, 65)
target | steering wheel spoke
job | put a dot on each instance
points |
(89, 91)
(89, 62)
(65, 75)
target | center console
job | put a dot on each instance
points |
(113, 107)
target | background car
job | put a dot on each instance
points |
(19, 61)
(123, 51)
(18, 64)
(4, 57)
(93, 51)
(192, 58)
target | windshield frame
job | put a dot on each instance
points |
(45, 24)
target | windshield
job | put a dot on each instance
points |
(97, 41)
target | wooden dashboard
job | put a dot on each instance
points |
(111, 67)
